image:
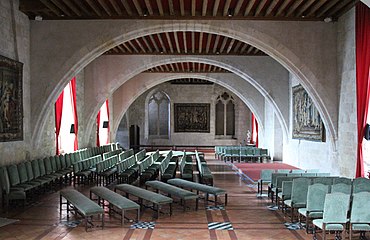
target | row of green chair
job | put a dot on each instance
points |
(140, 155)
(242, 153)
(111, 153)
(269, 177)
(97, 168)
(309, 203)
(315, 199)
(85, 170)
(205, 174)
(127, 170)
(45, 173)
(186, 167)
(30, 178)
(168, 167)
(337, 208)
(106, 170)
(149, 169)
(126, 154)
(344, 212)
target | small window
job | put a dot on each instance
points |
(225, 115)
(159, 115)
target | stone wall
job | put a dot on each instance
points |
(189, 94)
(15, 44)
(347, 125)
(307, 154)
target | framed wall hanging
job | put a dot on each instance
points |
(192, 117)
(11, 103)
(307, 123)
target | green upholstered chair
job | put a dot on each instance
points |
(8, 192)
(344, 180)
(272, 185)
(23, 176)
(265, 178)
(315, 203)
(323, 180)
(299, 195)
(361, 185)
(14, 179)
(37, 173)
(360, 214)
(283, 171)
(334, 219)
(341, 187)
(297, 171)
(285, 194)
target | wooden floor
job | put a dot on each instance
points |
(246, 216)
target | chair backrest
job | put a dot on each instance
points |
(42, 167)
(29, 169)
(316, 197)
(323, 180)
(308, 174)
(4, 180)
(361, 185)
(344, 180)
(299, 190)
(23, 177)
(336, 208)
(274, 177)
(13, 175)
(320, 174)
(360, 210)
(266, 174)
(283, 171)
(297, 171)
(286, 189)
(312, 170)
(341, 187)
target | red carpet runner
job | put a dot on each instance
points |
(253, 170)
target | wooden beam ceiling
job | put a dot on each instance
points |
(292, 10)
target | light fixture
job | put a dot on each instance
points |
(38, 18)
(230, 12)
(328, 19)
(105, 124)
(145, 12)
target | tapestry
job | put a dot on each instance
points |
(11, 108)
(307, 123)
(192, 117)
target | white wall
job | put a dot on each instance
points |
(15, 44)
(307, 154)
(347, 125)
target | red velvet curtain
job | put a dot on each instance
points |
(108, 129)
(97, 129)
(256, 123)
(74, 109)
(362, 77)
(254, 130)
(58, 119)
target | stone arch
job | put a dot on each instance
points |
(139, 67)
(93, 47)
(158, 80)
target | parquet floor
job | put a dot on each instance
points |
(246, 217)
